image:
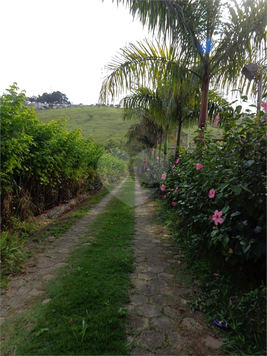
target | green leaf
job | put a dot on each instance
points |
(41, 331)
(225, 209)
(236, 189)
(238, 109)
(235, 214)
(249, 163)
(246, 248)
(257, 229)
(214, 233)
(225, 241)
(223, 186)
(245, 188)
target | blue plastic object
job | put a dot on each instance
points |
(221, 324)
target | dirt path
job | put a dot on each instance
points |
(45, 263)
(160, 321)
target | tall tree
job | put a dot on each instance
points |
(148, 106)
(169, 104)
(214, 38)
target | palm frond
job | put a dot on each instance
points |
(141, 64)
(243, 41)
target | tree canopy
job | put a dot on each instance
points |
(54, 98)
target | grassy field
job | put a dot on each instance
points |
(103, 123)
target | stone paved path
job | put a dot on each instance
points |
(160, 322)
(44, 265)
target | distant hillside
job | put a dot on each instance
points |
(103, 123)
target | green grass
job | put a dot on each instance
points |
(86, 315)
(103, 123)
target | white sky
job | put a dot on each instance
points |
(50, 45)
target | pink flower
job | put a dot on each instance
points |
(264, 106)
(217, 119)
(173, 203)
(175, 190)
(163, 187)
(189, 246)
(199, 166)
(177, 161)
(179, 262)
(157, 158)
(173, 166)
(148, 169)
(216, 274)
(212, 193)
(164, 175)
(164, 197)
(217, 217)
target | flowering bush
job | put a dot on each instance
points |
(154, 170)
(220, 192)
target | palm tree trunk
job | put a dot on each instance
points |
(178, 140)
(165, 152)
(160, 143)
(204, 101)
(155, 150)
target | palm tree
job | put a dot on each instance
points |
(170, 104)
(210, 39)
(151, 106)
(145, 132)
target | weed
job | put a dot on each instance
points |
(11, 254)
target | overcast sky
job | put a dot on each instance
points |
(62, 45)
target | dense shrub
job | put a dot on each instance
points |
(112, 166)
(218, 192)
(42, 164)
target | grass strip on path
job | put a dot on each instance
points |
(13, 254)
(86, 314)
